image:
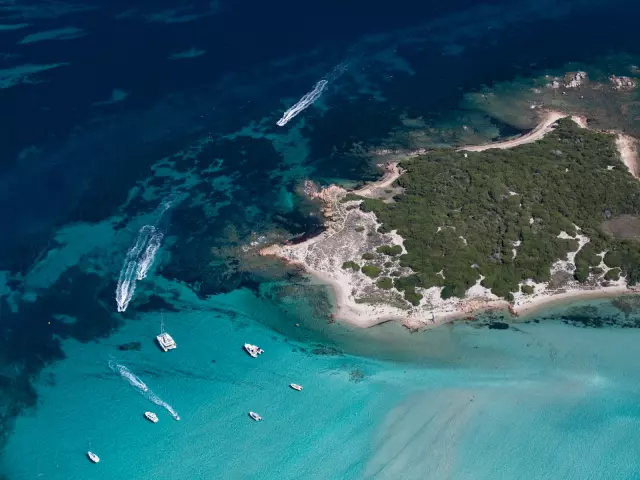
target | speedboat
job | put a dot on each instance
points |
(253, 350)
(255, 416)
(295, 386)
(152, 417)
(93, 457)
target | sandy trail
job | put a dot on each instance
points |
(537, 133)
(628, 148)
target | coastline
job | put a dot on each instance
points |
(367, 311)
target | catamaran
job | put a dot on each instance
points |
(152, 417)
(253, 350)
(165, 340)
(295, 386)
(93, 457)
(255, 416)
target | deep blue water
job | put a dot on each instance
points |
(79, 173)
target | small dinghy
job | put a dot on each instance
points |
(255, 416)
(93, 457)
(253, 350)
(152, 417)
(296, 387)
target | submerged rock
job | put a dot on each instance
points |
(498, 326)
(130, 346)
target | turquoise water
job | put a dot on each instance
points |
(117, 140)
(545, 400)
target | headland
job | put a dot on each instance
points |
(514, 225)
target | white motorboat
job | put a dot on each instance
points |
(253, 350)
(93, 457)
(152, 417)
(255, 416)
(295, 386)
(165, 340)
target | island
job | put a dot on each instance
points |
(445, 233)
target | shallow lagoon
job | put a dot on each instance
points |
(456, 402)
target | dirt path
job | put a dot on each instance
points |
(628, 148)
(536, 134)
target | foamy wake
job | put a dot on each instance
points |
(310, 97)
(149, 254)
(139, 385)
(303, 103)
(137, 263)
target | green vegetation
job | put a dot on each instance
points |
(350, 197)
(391, 250)
(385, 283)
(368, 256)
(527, 289)
(359, 229)
(612, 275)
(489, 197)
(413, 297)
(371, 271)
(351, 265)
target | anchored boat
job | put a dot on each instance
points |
(152, 417)
(165, 340)
(295, 386)
(255, 416)
(93, 457)
(253, 350)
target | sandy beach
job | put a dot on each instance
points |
(322, 257)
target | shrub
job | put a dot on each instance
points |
(527, 289)
(371, 271)
(612, 275)
(385, 283)
(368, 256)
(412, 297)
(391, 250)
(351, 265)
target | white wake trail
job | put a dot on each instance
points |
(142, 387)
(126, 285)
(303, 103)
(310, 97)
(137, 263)
(146, 260)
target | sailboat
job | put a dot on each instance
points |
(165, 340)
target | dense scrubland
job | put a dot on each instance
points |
(462, 214)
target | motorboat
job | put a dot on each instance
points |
(93, 457)
(152, 417)
(255, 416)
(295, 386)
(165, 340)
(253, 350)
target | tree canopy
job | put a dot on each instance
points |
(462, 214)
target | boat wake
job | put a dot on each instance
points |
(139, 385)
(142, 253)
(310, 97)
(149, 254)
(137, 263)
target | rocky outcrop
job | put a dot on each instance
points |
(622, 83)
(575, 79)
